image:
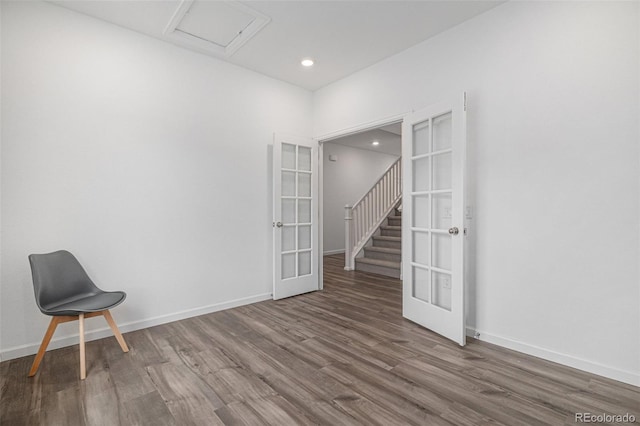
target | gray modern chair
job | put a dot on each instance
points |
(64, 291)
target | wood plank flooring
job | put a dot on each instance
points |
(341, 356)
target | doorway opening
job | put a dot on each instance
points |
(430, 190)
(361, 187)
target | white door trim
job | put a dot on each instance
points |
(347, 131)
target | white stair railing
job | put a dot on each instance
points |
(364, 218)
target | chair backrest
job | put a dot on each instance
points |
(57, 277)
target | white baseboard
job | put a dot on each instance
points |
(32, 348)
(330, 252)
(628, 377)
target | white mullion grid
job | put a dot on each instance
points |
(287, 170)
(423, 230)
(440, 270)
(311, 209)
(430, 145)
(420, 156)
(297, 209)
(433, 191)
(421, 266)
(431, 154)
(430, 204)
(442, 151)
(441, 191)
(439, 231)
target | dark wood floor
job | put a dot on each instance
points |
(338, 357)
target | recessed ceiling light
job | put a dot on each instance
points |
(375, 143)
(307, 62)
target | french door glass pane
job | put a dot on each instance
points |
(304, 237)
(421, 138)
(304, 158)
(304, 263)
(441, 251)
(420, 283)
(288, 265)
(420, 216)
(304, 184)
(288, 238)
(441, 211)
(288, 183)
(442, 132)
(304, 211)
(421, 248)
(288, 156)
(288, 210)
(421, 174)
(442, 171)
(441, 290)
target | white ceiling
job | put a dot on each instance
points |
(341, 36)
(389, 142)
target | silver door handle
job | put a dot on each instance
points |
(279, 224)
(453, 231)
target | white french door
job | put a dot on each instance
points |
(433, 155)
(295, 218)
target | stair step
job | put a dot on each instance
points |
(383, 253)
(394, 217)
(378, 262)
(388, 250)
(386, 238)
(392, 221)
(391, 230)
(387, 241)
(377, 266)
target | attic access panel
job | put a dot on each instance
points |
(214, 27)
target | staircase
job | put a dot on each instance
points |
(382, 254)
(373, 226)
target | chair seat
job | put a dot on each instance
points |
(91, 303)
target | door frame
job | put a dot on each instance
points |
(328, 137)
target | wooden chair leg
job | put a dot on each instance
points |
(116, 331)
(43, 346)
(83, 368)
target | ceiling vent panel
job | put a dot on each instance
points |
(214, 27)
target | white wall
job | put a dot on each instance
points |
(147, 161)
(344, 182)
(553, 143)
